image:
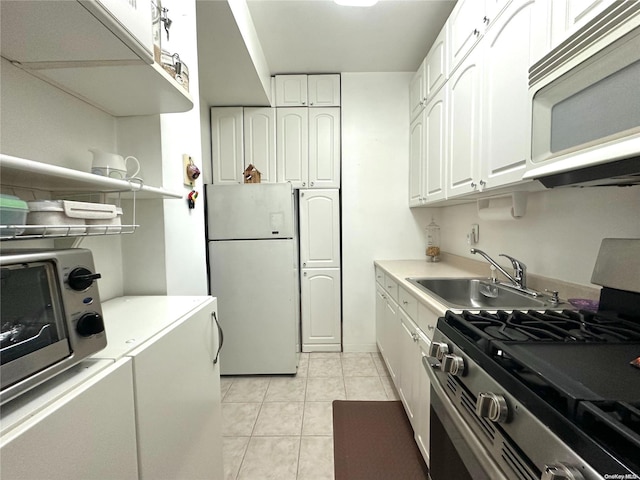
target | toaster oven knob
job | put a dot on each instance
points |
(90, 324)
(81, 278)
(561, 471)
(492, 406)
(452, 364)
(438, 350)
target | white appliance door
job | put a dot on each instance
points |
(248, 211)
(255, 283)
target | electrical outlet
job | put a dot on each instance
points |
(474, 236)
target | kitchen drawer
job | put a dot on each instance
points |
(379, 276)
(427, 320)
(391, 286)
(408, 303)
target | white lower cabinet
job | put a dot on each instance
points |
(320, 295)
(403, 332)
(177, 398)
(88, 433)
(421, 422)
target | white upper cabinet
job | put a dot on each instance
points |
(307, 90)
(324, 90)
(416, 161)
(324, 147)
(464, 126)
(567, 16)
(506, 111)
(292, 146)
(319, 228)
(291, 90)
(227, 146)
(260, 141)
(435, 66)
(98, 51)
(435, 147)
(465, 23)
(417, 92)
(468, 22)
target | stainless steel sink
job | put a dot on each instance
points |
(476, 293)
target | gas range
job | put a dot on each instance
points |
(553, 394)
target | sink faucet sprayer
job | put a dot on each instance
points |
(519, 277)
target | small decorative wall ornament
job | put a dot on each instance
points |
(190, 170)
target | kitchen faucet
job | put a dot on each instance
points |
(519, 277)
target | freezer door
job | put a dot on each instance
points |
(248, 211)
(255, 283)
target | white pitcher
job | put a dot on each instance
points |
(112, 165)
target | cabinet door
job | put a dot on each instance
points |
(324, 147)
(567, 16)
(319, 228)
(324, 90)
(407, 370)
(392, 338)
(417, 92)
(227, 153)
(435, 69)
(320, 305)
(506, 113)
(260, 141)
(291, 90)
(292, 146)
(435, 147)
(465, 24)
(463, 148)
(421, 415)
(177, 392)
(381, 306)
(89, 433)
(416, 161)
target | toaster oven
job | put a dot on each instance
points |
(50, 315)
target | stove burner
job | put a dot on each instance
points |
(549, 326)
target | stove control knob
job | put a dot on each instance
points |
(561, 471)
(492, 406)
(452, 364)
(438, 350)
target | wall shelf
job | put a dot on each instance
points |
(29, 174)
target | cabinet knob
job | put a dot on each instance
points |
(312, 184)
(476, 32)
(404, 302)
(304, 274)
(310, 104)
(485, 20)
(473, 185)
(304, 184)
(304, 103)
(482, 183)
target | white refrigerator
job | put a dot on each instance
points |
(253, 271)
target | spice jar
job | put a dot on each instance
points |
(433, 242)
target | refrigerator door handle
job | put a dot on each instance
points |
(214, 317)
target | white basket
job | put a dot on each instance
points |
(68, 217)
(108, 225)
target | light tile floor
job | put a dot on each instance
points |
(281, 427)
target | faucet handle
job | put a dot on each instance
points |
(517, 264)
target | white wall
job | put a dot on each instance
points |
(560, 234)
(376, 220)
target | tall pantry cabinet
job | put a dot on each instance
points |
(308, 156)
(320, 281)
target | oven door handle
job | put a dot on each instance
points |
(482, 457)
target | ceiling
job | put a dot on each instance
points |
(309, 36)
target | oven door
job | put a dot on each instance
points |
(34, 330)
(455, 451)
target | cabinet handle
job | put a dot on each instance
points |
(476, 32)
(482, 184)
(220, 333)
(304, 103)
(312, 184)
(485, 20)
(404, 302)
(304, 184)
(304, 264)
(390, 286)
(310, 104)
(430, 327)
(304, 274)
(473, 185)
